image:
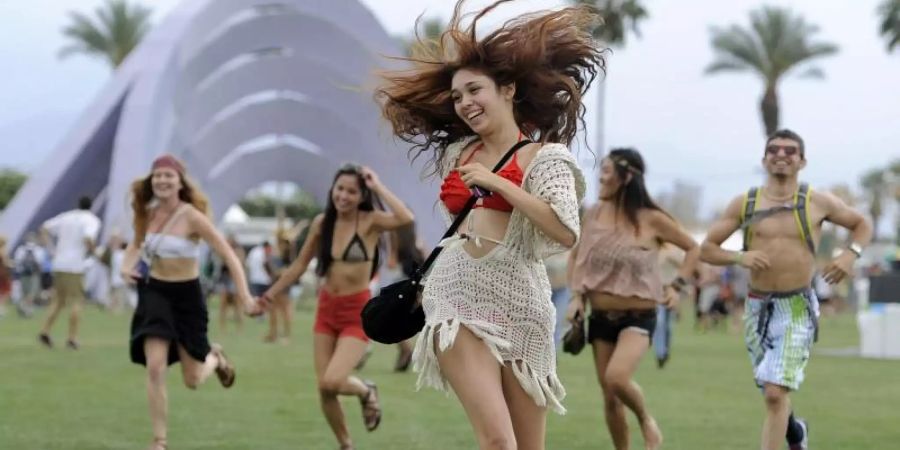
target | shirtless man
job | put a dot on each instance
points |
(782, 222)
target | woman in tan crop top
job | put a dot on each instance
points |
(615, 269)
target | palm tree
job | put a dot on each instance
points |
(427, 30)
(777, 42)
(115, 31)
(620, 17)
(889, 12)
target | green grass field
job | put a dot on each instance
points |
(704, 399)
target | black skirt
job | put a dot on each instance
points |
(175, 311)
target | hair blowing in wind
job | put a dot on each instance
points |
(549, 55)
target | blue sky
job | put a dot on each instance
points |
(689, 126)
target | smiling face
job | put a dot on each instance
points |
(610, 182)
(783, 157)
(346, 194)
(479, 102)
(166, 183)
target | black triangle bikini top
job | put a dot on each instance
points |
(356, 248)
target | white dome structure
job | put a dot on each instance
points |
(244, 91)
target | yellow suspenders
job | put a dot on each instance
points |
(800, 210)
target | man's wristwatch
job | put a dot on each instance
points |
(855, 248)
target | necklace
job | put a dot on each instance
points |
(776, 199)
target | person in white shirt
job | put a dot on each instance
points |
(28, 260)
(75, 233)
(259, 273)
(118, 296)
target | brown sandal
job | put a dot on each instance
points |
(224, 370)
(370, 407)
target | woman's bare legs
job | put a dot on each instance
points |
(613, 408)
(476, 378)
(619, 373)
(156, 351)
(528, 419)
(334, 361)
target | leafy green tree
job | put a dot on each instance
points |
(10, 183)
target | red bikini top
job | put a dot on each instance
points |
(454, 192)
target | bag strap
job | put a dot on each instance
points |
(750, 200)
(801, 214)
(162, 231)
(465, 211)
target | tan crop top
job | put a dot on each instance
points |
(609, 260)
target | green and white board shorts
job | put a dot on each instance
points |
(779, 330)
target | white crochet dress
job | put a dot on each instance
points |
(504, 296)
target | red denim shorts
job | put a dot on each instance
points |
(339, 316)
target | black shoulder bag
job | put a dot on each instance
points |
(395, 314)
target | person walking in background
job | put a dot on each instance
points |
(75, 235)
(669, 262)
(119, 295)
(259, 269)
(708, 284)
(28, 260)
(226, 286)
(281, 309)
(6, 276)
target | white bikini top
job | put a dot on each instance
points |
(170, 246)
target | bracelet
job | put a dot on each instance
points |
(677, 287)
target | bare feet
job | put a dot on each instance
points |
(653, 437)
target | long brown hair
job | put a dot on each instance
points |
(142, 194)
(549, 55)
(632, 195)
(370, 202)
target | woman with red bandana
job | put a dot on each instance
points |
(170, 321)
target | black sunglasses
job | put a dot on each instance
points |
(789, 150)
